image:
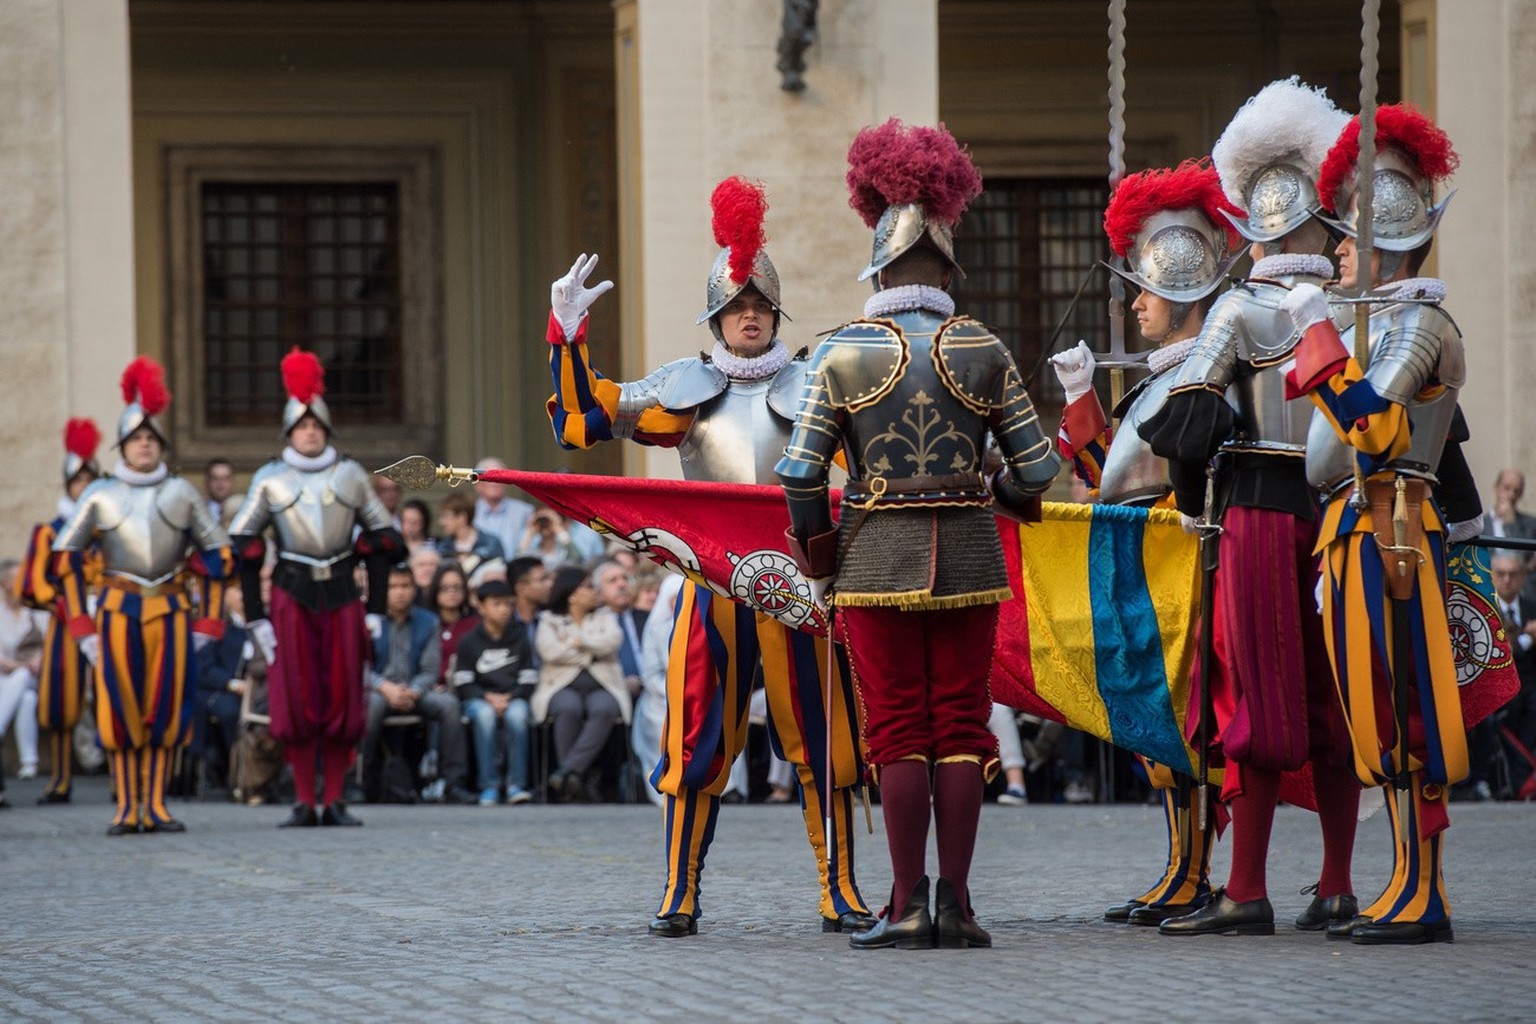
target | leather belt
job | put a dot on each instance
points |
(143, 589)
(316, 572)
(954, 484)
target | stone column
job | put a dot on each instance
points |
(699, 100)
(66, 235)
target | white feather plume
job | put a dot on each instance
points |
(1284, 121)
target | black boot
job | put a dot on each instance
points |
(1402, 933)
(1345, 928)
(953, 927)
(674, 926)
(1320, 913)
(1224, 916)
(337, 814)
(302, 816)
(913, 930)
(1154, 914)
(1121, 912)
(853, 921)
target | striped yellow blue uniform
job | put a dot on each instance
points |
(718, 649)
(61, 680)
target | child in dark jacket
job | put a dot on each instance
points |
(493, 672)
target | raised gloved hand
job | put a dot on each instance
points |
(375, 624)
(1306, 304)
(1074, 368)
(570, 297)
(265, 637)
(90, 648)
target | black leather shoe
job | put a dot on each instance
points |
(565, 788)
(1122, 913)
(459, 795)
(853, 921)
(1320, 913)
(674, 926)
(913, 930)
(124, 828)
(1224, 916)
(168, 825)
(337, 814)
(302, 816)
(1344, 929)
(952, 927)
(54, 798)
(1154, 914)
(1402, 933)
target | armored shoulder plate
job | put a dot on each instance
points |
(350, 483)
(1268, 335)
(277, 483)
(861, 363)
(788, 385)
(98, 508)
(1416, 345)
(174, 502)
(679, 385)
(972, 363)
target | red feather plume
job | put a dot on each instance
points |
(82, 438)
(1398, 126)
(303, 376)
(1194, 183)
(738, 207)
(895, 163)
(144, 380)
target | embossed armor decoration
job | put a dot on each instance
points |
(152, 530)
(1170, 226)
(313, 503)
(1383, 552)
(62, 675)
(728, 416)
(909, 394)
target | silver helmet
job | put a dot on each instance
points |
(304, 380)
(1269, 154)
(296, 410)
(901, 227)
(143, 386)
(1404, 214)
(1179, 255)
(722, 288)
(81, 438)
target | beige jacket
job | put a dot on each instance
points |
(566, 648)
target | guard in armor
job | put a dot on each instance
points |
(728, 414)
(1270, 693)
(908, 393)
(151, 528)
(61, 681)
(1171, 228)
(1385, 423)
(314, 635)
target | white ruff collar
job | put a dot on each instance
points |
(1431, 288)
(774, 359)
(1160, 359)
(324, 460)
(1293, 264)
(132, 476)
(904, 297)
(66, 507)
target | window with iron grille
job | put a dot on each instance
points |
(1026, 245)
(312, 264)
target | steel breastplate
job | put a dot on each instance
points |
(1418, 350)
(143, 531)
(1131, 471)
(736, 437)
(1267, 420)
(309, 516)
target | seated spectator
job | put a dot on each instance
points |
(448, 596)
(615, 594)
(389, 493)
(530, 582)
(221, 683)
(407, 656)
(581, 686)
(460, 539)
(416, 524)
(424, 563)
(22, 631)
(547, 537)
(494, 675)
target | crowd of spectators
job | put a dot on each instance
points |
(521, 660)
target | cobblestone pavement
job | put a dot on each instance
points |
(538, 913)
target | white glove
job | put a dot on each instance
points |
(819, 590)
(1189, 523)
(375, 624)
(265, 636)
(570, 297)
(200, 640)
(1306, 304)
(90, 648)
(1074, 368)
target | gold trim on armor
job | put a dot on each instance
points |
(941, 366)
(919, 600)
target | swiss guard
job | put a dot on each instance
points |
(150, 527)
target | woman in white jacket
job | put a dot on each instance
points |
(581, 685)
